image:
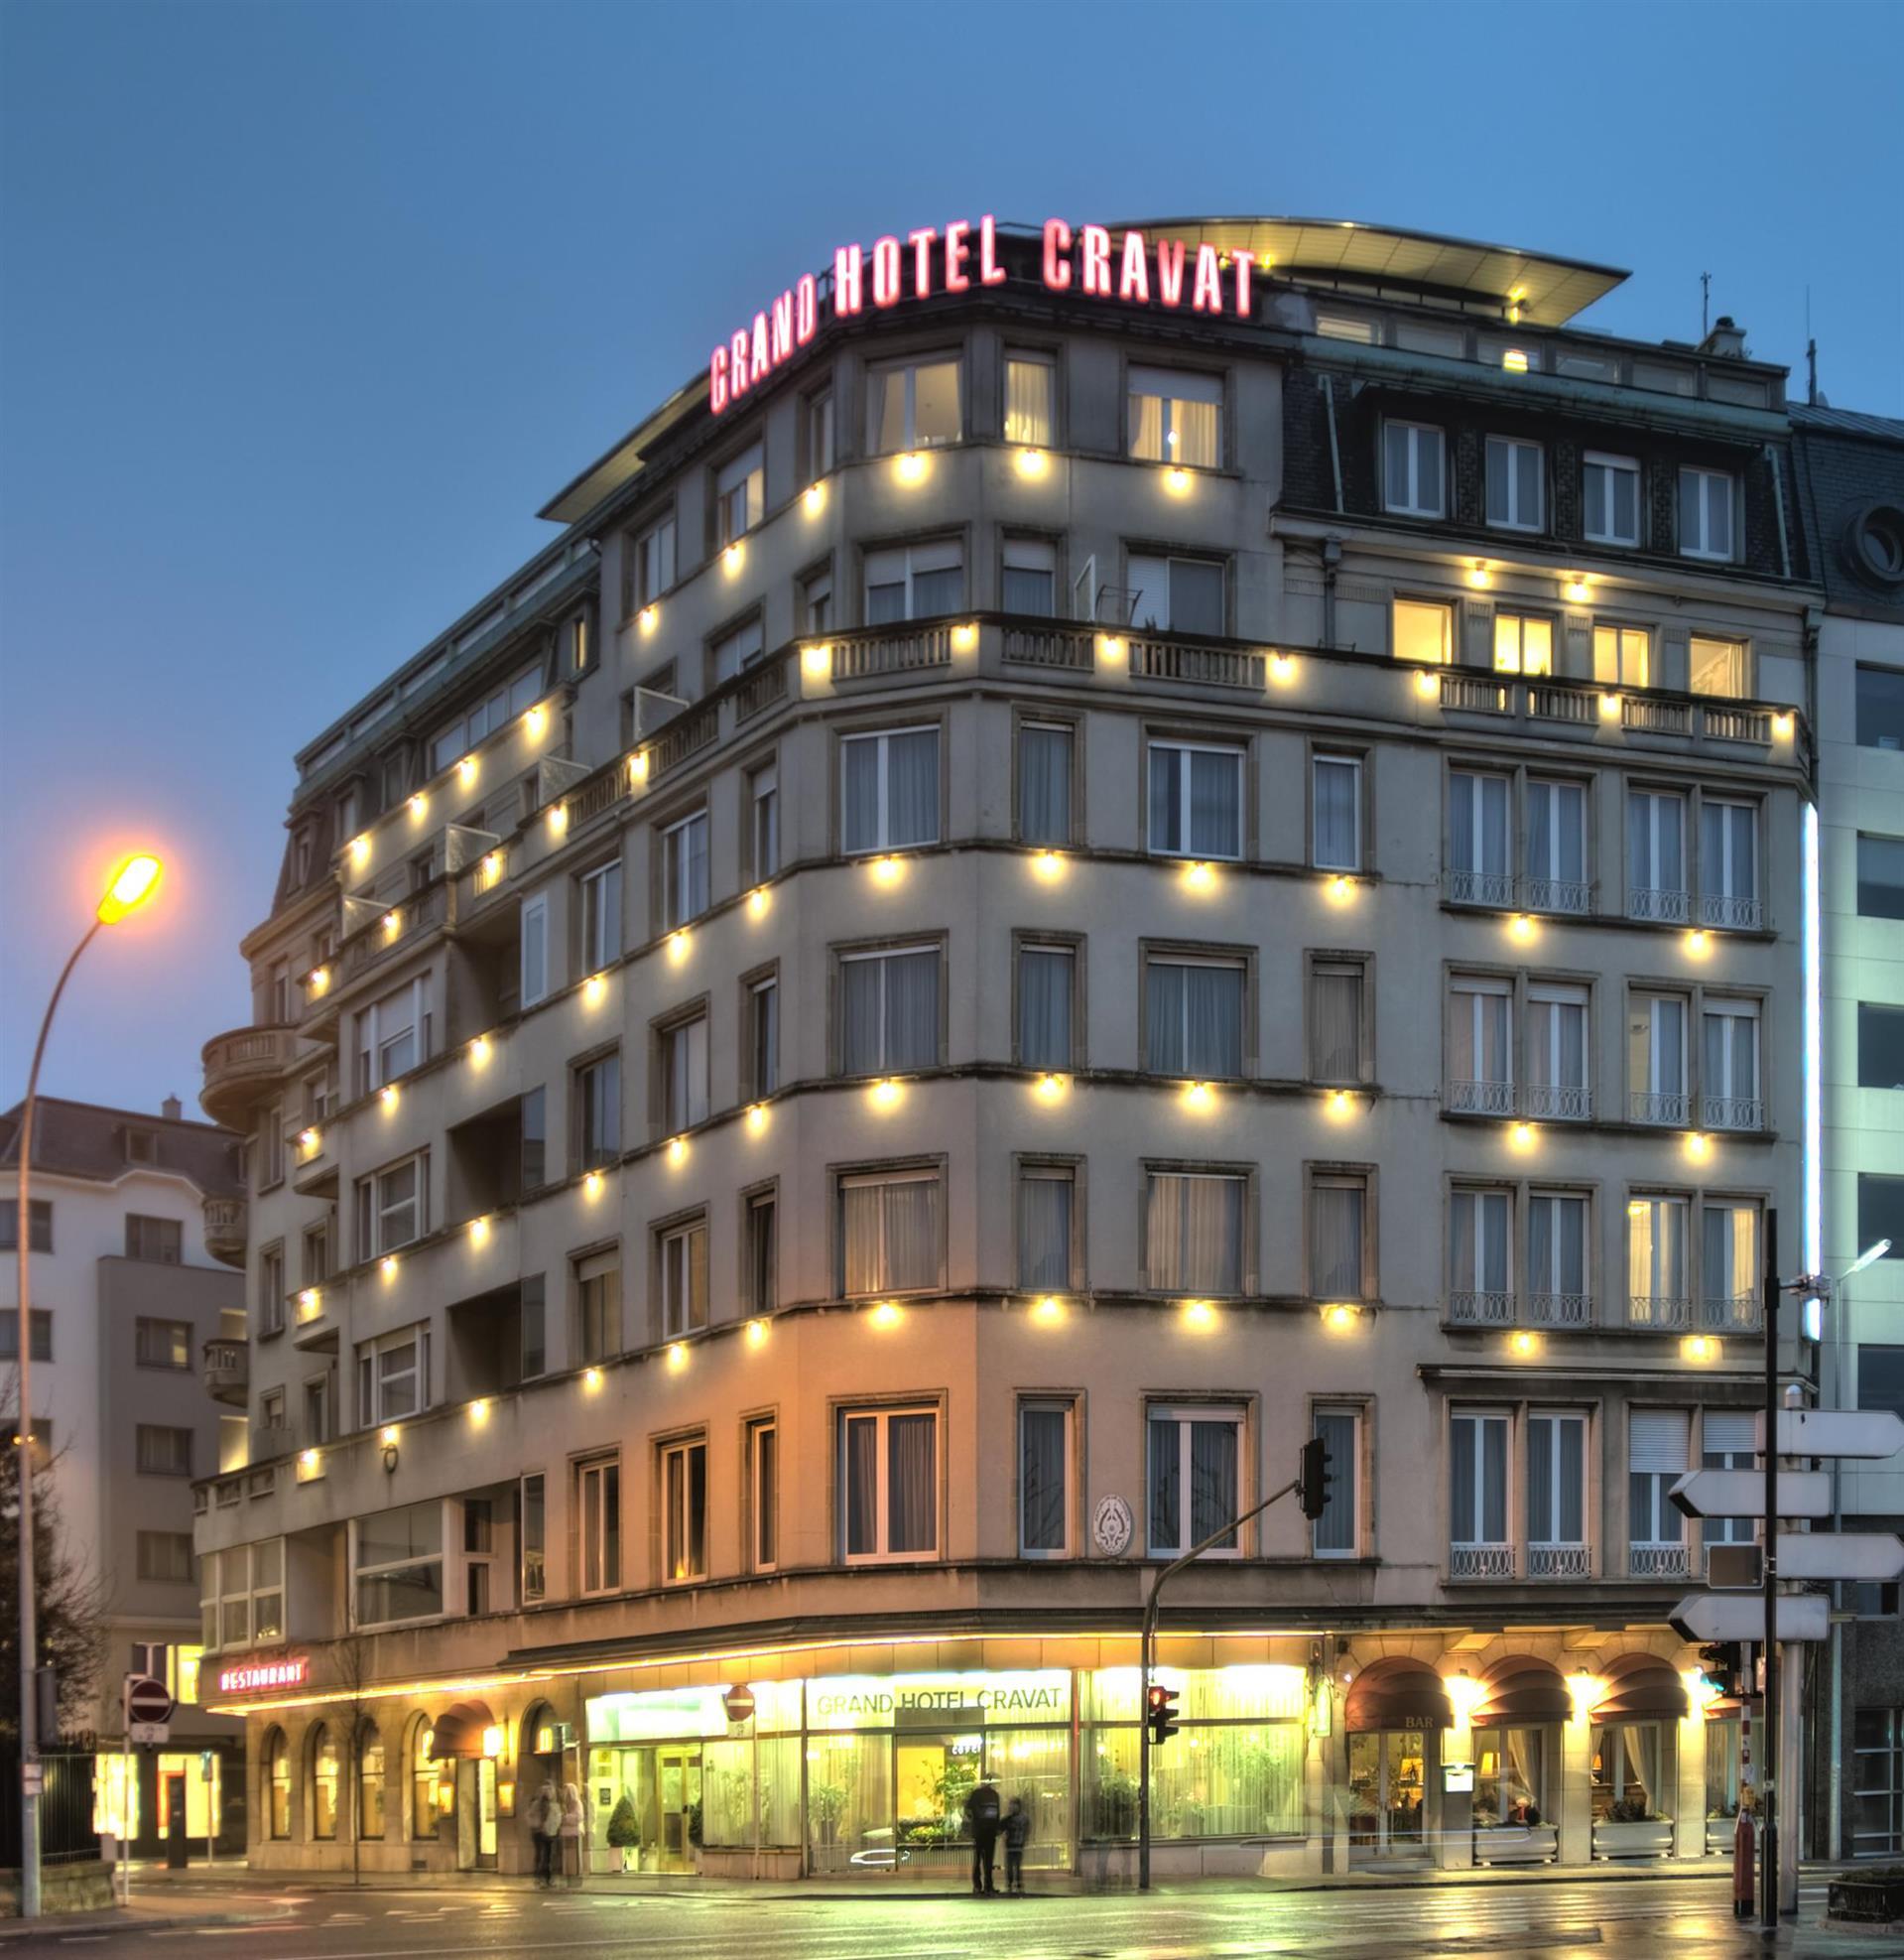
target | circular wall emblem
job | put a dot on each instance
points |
(1110, 1525)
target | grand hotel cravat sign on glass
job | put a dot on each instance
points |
(1134, 269)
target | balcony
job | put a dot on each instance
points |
(1560, 1309)
(1560, 1562)
(1490, 888)
(1725, 913)
(1737, 1314)
(1659, 1313)
(1659, 908)
(1732, 1111)
(1658, 1562)
(227, 1224)
(1562, 897)
(1670, 1109)
(1558, 1101)
(1480, 1309)
(1480, 1561)
(1479, 1098)
(227, 1372)
(241, 1066)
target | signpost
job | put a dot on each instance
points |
(1742, 1617)
(148, 1710)
(1743, 1494)
(1864, 1433)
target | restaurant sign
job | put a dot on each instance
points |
(256, 1676)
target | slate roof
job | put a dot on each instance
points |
(85, 1139)
(1847, 463)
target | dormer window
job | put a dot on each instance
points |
(142, 1146)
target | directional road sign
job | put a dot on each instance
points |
(1834, 1433)
(1741, 1617)
(1742, 1494)
(1878, 1556)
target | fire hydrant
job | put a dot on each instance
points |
(1744, 1864)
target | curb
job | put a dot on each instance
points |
(58, 1925)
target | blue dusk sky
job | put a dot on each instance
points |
(306, 308)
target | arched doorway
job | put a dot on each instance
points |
(469, 1737)
(1396, 1711)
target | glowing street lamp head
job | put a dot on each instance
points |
(134, 879)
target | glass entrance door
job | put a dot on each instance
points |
(1387, 1784)
(677, 1805)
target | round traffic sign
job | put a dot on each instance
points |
(739, 1703)
(147, 1700)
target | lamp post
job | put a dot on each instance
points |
(132, 882)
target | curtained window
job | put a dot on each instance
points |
(1730, 1058)
(602, 917)
(1655, 850)
(1029, 575)
(423, 1780)
(763, 1036)
(889, 1232)
(889, 1010)
(1337, 1204)
(1194, 1479)
(1337, 812)
(684, 1075)
(1195, 801)
(1477, 832)
(1557, 1258)
(1556, 1027)
(1656, 1281)
(1480, 1255)
(1622, 656)
(889, 790)
(1728, 857)
(914, 582)
(1337, 1532)
(1411, 469)
(1193, 1231)
(684, 1279)
(371, 1782)
(1044, 1478)
(684, 850)
(1030, 393)
(888, 1484)
(1610, 496)
(1729, 1264)
(1556, 1480)
(1193, 1015)
(911, 407)
(684, 1512)
(278, 1783)
(1336, 1020)
(1705, 524)
(1514, 481)
(1046, 977)
(1479, 1037)
(1478, 1477)
(1510, 1778)
(597, 1103)
(599, 1490)
(1045, 1196)
(1044, 782)
(599, 1305)
(1176, 417)
(1557, 842)
(326, 1771)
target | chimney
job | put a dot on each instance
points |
(1725, 342)
(172, 1110)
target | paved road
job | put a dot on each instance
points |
(1685, 1918)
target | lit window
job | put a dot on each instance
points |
(1621, 656)
(1657, 1287)
(1610, 493)
(1029, 400)
(1523, 644)
(740, 495)
(911, 407)
(1422, 630)
(1719, 667)
(1176, 417)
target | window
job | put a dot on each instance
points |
(763, 1036)
(889, 1231)
(1194, 1226)
(599, 1305)
(1030, 392)
(889, 790)
(39, 1226)
(652, 562)
(740, 495)
(1029, 577)
(1559, 1079)
(165, 1557)
(1877, 1781)
(1726, 1442)
(1335, 1022)
(1045, 1201)
(1044, 1478)
(1657, 1445)
(532, 1325)
(1338, 1208)
(161, 1450)
(733, 653)
(763, 819)
(1880, 1046)
(1195, 800)
(1880, 707)
(393, 1376)
(684, 1512)
(683, 1252)
(888, 1484)
(1609, 495)
(684, 857)
(1622, 656)
(1880, 1377)
(482, 719)
(598, 1494)
(1523, 644)
(277, 1782)
(397, 1564)
(1556, 848)
(425, 1781)
(1656, 856)
(817, 412)
(279, 1002)
(271, 1288)
(1480, 1257)
(762, 1251)
(889, 1010)
(325, 1777)
(816, 611)
(1729, 1065)
(1880, 1211)
(597, 1101)
(1705, 514)
(1479, 864)
(763, 1495)
(158, 1343)
(1337, 1532)
(535, 948)
(684, 1075)
(241, 1594)
(1196, 1480)
(532, 1535)
(579, 635)
(316, 1254)
(1044, 782)
(602, 917)
(1047, 977)
(1194, 1016)
(158, 1240)
(1557, 1261)
(1478, 1546)
(1411, 469)
(1338, 327)
(1176, 417)
(914, 582)
(1422, 630)
(1480, 1047)
(1881, 878)
(1556, 1496)
(1176, 594)
(535, 1138)
(911, 407)
(370, 1819)
(1657, 1291)
(1718, 667)
(1656, 1058)
(1514, 471)
(1335, 783)
(40, 1340)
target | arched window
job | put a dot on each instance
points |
(323, 1782)
(369, 1782)
(277, 1784)
(422, 1779)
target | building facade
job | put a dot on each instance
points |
(1101, 852)
(131, 1294)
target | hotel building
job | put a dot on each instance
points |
(1085, 861)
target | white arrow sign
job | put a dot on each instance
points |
(1741, 1617)
(1834, 1433)
(1742, 1494)
(1873, 1555)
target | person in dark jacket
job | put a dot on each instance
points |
(1017, 1828)
(982, 1809)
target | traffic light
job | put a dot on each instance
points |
(1722, 1668)
(1162, 1713)
(1314, 1479)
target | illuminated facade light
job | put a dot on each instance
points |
(1198, 1095)
(478, 1230)
(1050, 1310)
(1609, 708)
(1342, 891)
(1049, 866)
(1199, 875)
(1700, 1348)
(1577, 591)
(1521, 1136)
(1696, 944)
(887, 870)
(558, 818)
(592, 1379)
(591, 1185)
(492, 1740)
(307, 1459)
(1282, 668)
(909, 467)
(759, 900)
(418, 805)
(318, 980)
(466, 771)
(1033, 462)
(392, 924)
(309, 1141)
(886, 1315)
(1698, 1146)
(1428, 684)
(1052, 1087)
(479, 1050)
(677, 1354)
(1340, 1103)
(1199, 1314)
(1478, 576)
(677, 945)
(479, 1410)
(1783, 725)
(1177, 482)
(638, 766)
(1339, 1316)
(535, 720)
(310, 1304)
(593, 990)
(1514, 360)
(1523, 1344)
(884, 1094)
(676, 1149)
(648, 618)
(816, 661)
(964, 638)
(733, 557)
(1110, 647)
(757, 1118)
(1522, 926)
(387, 1266)
(756, 1332)
(361, 849)
(815, 498)
(388, 1096)
(493, 866)
(387, 1436)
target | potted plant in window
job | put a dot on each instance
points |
(623, 1829)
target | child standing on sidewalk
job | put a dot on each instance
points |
(1017, 1829)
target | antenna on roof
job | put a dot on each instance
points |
(1811, 355)
(1705, 303)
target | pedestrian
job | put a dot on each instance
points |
(981, 1820)
(545, 1827)
(569, 1831)
(1017, 1830)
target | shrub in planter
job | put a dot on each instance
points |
(1874, 1897)
(623, 1829)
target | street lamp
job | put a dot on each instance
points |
(132, 883)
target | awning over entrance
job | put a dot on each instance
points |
(459, 1730)
(1641, 1687)
(1398, 1692)
(1519, 1691)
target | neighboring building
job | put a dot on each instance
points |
(1059, 894)
(1851, 474)
(134, 1218)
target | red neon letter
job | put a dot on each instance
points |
(1096, 260)
(957, 251)
(718, 380)
(1057, 240)
(848, 293)
(1133, 282)
(738, 378)
(1209, 296)
(990, 272)
(1244, 260)
(1170, 271)
(806, 309)
(762, 365)
(781, 329)
(885, 270)
(921, 244)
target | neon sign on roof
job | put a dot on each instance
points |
(1132, 269)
